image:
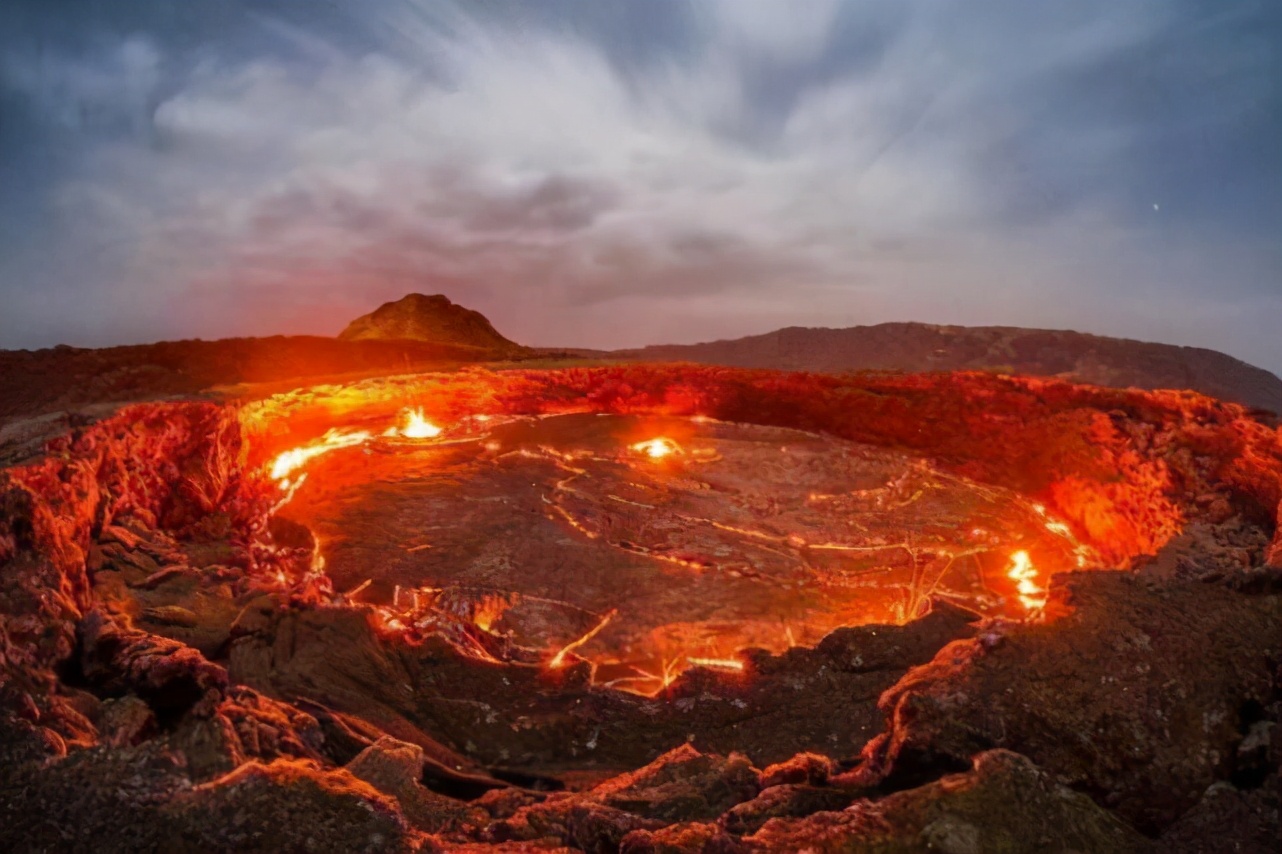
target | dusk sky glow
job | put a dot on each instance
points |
(613, 174)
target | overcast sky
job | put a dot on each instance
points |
(606, 173)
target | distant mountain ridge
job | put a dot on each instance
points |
(1078, 356)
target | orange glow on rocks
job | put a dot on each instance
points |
(820, 561)
(1084, 491)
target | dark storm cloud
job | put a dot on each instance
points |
(617, 173)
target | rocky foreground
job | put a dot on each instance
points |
(178, 675)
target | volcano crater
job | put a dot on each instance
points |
(734, 536)
(543, 580)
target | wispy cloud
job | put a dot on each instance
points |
(749, 168)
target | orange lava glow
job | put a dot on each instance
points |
(717, 663)
(285, 464)
(418, 427)
(1108, 487)
(488, 611)
(288, 470)
(649, 684)
(657, 448)
(558, 660)
(1031, 595)
(292, 460)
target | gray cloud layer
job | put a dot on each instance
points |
(613, 174)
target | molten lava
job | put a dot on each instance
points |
(716, 663)
(1031, 595)
(657, 448)
(558, 660)
(418, 427)
(776, 537)
(775, 530)
(290, 461)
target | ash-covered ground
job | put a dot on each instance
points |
(801, 626)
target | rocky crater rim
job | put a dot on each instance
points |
(164, 534)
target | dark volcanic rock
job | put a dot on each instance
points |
(396, 768)
(82, 381)
(585, 824)
(784, 802)
(1248, 818)
(1005, 803)
(683, 784)
(433, 319)
(683, 838)
(1140, 696)
(516, 717)
(285, 806)
(141, 799)
(1117, 362)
